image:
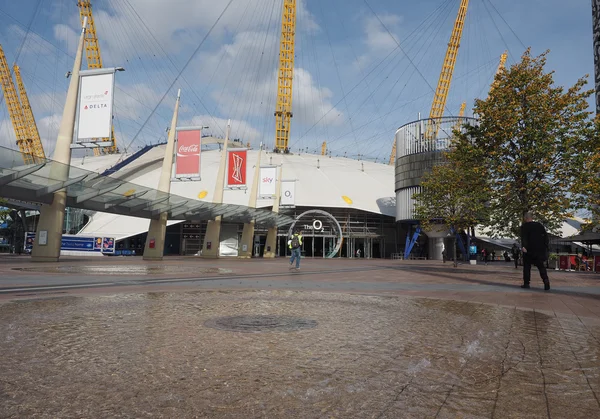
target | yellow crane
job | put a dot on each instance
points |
(94, 60)
(20, 114)
(36, 142)
(283, 109)
(501, 65)
(443, 86)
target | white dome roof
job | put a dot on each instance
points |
(321, 182)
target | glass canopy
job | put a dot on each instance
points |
(92, 191)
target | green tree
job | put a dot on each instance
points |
(534, 138)
(586, 190)
(455, 193)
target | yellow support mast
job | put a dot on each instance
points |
(324, 148)
(94, 60)
(501, 65)
(15, 111)
(283, 110)
(393, 154)
(36, 142)
(443, 87)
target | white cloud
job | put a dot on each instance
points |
(47, 103)
(175, 24)
(377, 36)
(133, 101)
(67, 36)
(34, 44)
(251, 87)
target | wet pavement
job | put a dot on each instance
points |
(339, 339)
(140, 355)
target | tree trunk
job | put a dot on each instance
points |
(455, 249)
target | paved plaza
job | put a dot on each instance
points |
(119, 337)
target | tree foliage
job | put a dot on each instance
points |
(455, 192)
(586, 190)
(534, 140)
(4, 211)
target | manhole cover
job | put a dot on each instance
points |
(251, 324)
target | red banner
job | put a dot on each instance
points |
(236, 167)
(563, 263)
(597, 263)
(187, 163)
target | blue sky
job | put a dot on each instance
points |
(353, 85)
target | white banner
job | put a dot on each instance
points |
(95, 106)
(288, 193)
(267, 184)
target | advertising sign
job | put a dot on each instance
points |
(108, 245)
(78, 243)
(236, 168)
(267, 182)
(288, 193)
(187, 160)
(563, 262)
(95, 108)
(597, 263)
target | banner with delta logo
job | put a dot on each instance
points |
(187, 149)
(236, 168)
(95, 107)
(267, 183)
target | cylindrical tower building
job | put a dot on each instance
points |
(419, 145)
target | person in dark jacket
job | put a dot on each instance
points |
(516, 253)
(534, 242)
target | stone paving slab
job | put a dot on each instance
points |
(158, 354)
(573, 293)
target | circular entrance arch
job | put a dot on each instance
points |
(324, 221)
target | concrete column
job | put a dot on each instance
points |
(52, 216)
(272, 232)
(155, 241)
(248, 232)
(213, 228)
(436, 246)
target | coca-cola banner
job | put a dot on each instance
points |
(236, 168)
(187, 163)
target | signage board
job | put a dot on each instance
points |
(187, 150)
(78, 243)
(288, 193)
(236, 168)
(267, 182)
(597, 264)
(95, 104)
(563, 262)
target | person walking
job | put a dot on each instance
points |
(534, 242)
(516, 253)
(295, 244)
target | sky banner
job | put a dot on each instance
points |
(267, 184)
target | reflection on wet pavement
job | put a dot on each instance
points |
(152, 354)
(124, 269)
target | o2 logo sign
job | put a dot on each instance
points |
(317, 226)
